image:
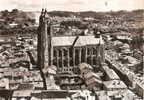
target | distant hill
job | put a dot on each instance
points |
(29, 19)
(94, 14)
(17, 16)
(21, 16)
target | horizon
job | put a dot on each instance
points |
(72, 5)
(73, 11)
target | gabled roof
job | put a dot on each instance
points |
(81, 41)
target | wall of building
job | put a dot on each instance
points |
(67, 57)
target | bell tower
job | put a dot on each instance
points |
(44, 45)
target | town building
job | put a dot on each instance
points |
(67, 52)
(114, 85)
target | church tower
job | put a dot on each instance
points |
(44, 46)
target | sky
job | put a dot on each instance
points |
(72, 5)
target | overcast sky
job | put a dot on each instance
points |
(72, 5)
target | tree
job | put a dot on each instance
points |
(14, 11)
(5, 13)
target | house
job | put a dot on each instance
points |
(70, 81)
(116, 95)
(131, 62)
(110, 74)
(22, 95)
(51, 95)
(12, 25)
(5, 94)
(93, 81)
(4, 83)
(114, 85)
(139, 88)
(85, 68)
(66, 52)
(49, 72)
(83, 95)
(23, 92)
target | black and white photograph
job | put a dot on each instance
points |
(71, 49)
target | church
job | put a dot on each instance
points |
(67, 52)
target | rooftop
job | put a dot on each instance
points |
(25, 87)
(111, 73)
(77, 41)
(51, 94)
(83, 66)
(117, 84)
(124, 94)
(22, 93)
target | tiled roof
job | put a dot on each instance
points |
(63, 41)
(81, 41)
(87, 40)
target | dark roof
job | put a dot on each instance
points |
(25, 87)
(6, 93)
(52, 94)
